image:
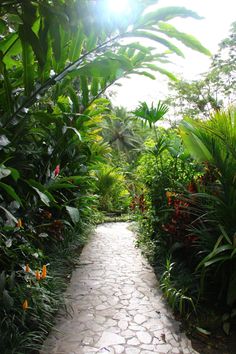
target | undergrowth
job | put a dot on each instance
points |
(23, 330)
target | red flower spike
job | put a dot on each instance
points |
(57, 170)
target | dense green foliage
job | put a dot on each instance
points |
(56, 60)
(66, 154)
(187, 227)
(187, 222)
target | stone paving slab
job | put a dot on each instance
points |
(114, 303)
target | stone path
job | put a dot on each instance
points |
(114, 303)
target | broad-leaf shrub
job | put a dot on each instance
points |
(113, 195)
(190, 222)
(56, 58)
(165, 171)
(214, 141)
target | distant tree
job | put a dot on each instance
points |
(224, 66)
(124, 133)
(194, 98)
(216, 89)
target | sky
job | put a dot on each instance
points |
(218, 16)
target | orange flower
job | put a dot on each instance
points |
(25, 305)
(37, 274)
(27, 268)
(44, 271)
(19, 223)
(169, 194)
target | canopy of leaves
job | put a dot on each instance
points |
(43, 42)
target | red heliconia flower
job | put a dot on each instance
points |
(57, 170)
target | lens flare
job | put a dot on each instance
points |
(118, 6)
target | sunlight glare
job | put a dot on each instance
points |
(118, 6)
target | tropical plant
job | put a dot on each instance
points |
(111, 189)
(119, 131)
(56, 60)
(166, 170)
(151, 115)
(176, 297)
(59, 40)
(214, 142)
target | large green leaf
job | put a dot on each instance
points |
(167, 73)
(8, 42)
(3, 26)
(165, 14)
(91, 40)
(105, 67)
(94, 86)
(187, 39)
(10, 191)
(75, 131)
(145, 73)
(14, 173)
(74, 98)
(154, 37)
(27, 35)
(43, 189)
(56, 39)
(44, 198)
(9, 215)
(76, 44)
(135, 46)
(138, 58)
(68, 41)
(85, 90)
(74, 214)
(193, 143)
(28, 61)
(7, 93)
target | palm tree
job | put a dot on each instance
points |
(122, 132)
